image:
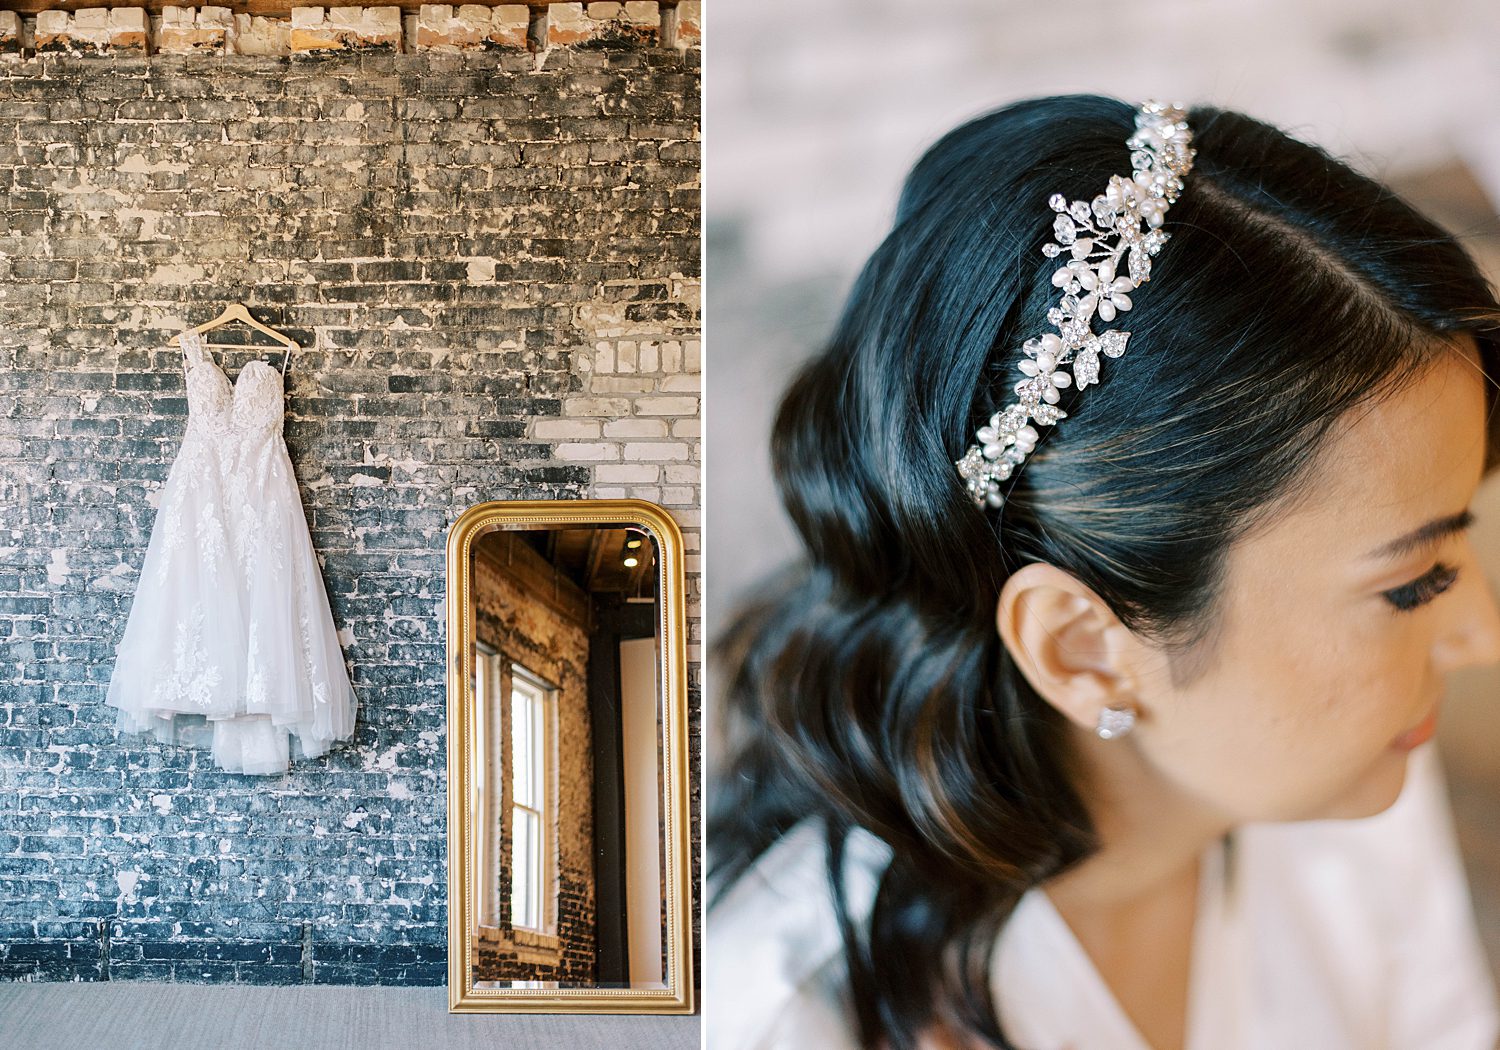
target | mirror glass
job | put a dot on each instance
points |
(565, 661)
(565, 657)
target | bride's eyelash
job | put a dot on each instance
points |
(1424, 588)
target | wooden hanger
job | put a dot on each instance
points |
(238, 312)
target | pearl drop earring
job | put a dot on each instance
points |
(1115, 721)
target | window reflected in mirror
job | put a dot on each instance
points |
(533, 804)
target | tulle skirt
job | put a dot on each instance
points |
(230, 619)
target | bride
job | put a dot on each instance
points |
(1134, 483)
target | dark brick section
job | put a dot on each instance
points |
(426, 226)
(575, 965)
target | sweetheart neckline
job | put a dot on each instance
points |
(233, 384)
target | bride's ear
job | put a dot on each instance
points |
(1068, 643)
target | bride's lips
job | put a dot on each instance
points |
(1419, 733)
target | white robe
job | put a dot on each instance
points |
(1340, 935)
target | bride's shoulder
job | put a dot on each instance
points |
(775, 972)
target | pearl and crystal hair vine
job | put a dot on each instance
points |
(1095, 235)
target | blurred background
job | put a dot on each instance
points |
(817, 110)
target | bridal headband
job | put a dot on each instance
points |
(1095, 235)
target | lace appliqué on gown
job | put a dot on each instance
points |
(192, 680)
(230, 618)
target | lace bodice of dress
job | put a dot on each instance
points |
(254, 402)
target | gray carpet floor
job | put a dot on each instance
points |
(123, 1015)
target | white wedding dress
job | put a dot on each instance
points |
(230, 619)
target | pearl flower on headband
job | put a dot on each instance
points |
(1122, 223)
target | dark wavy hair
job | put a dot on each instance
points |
(869, 689)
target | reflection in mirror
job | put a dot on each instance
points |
(569, 721)
(568, 769)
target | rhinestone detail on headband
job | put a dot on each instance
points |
(1122, 222)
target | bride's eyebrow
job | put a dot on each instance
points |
(1425, 537)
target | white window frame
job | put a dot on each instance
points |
(489, 732)
(529, 689)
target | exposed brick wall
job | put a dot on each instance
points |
(309, 30)
(452, 238)
(554, 647)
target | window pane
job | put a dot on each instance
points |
(525, 899)
(522, 771)
(531, 860)
(534, 723)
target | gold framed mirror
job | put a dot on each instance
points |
(568, 820)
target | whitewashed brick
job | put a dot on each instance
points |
(671, 356)
(640, 428)
(643, 11)
(471, 27)
(666, 406)
(587, 451)
(260, 35)
(52, 22)
(628, 473)
(596, 406)
(623, 385)
(128, 28)
(345, 28)
(656, 451)
(689, 23)
(568, 24)
(604, 357)
(625, 355)
(565, 429)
